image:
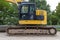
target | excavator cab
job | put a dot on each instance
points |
(27, 11)
(29, 15)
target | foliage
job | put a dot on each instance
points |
(58, 13)
(8, 13)
(55, 16)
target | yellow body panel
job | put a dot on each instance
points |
(40, 12)
(32, 22)
(44, 22)
(13, 1)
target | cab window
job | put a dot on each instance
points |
(24, 9)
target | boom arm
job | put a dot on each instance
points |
(15, 1)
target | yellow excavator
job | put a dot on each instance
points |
(31, 20)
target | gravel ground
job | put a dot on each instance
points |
(4, 36)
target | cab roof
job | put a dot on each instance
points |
(26, 3)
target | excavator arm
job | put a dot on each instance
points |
(15, 1)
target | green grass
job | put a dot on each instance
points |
(58, 29)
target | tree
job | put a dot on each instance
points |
(58, 13)
(8, 13)
(54, 19)
(32, 1)
(55, 16)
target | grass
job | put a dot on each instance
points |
(58, 29)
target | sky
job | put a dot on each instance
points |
(52, 3)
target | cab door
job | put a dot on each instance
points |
(27, 12)
(24, 10)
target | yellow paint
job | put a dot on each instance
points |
(13, 1)
(43, 22)
(32, 22)
(39, 12)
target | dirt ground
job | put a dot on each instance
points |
(4, 36)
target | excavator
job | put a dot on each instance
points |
(31, 20)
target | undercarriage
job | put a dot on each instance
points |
(31, 30)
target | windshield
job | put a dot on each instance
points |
(24, 9)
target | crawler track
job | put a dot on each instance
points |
(31, 30)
